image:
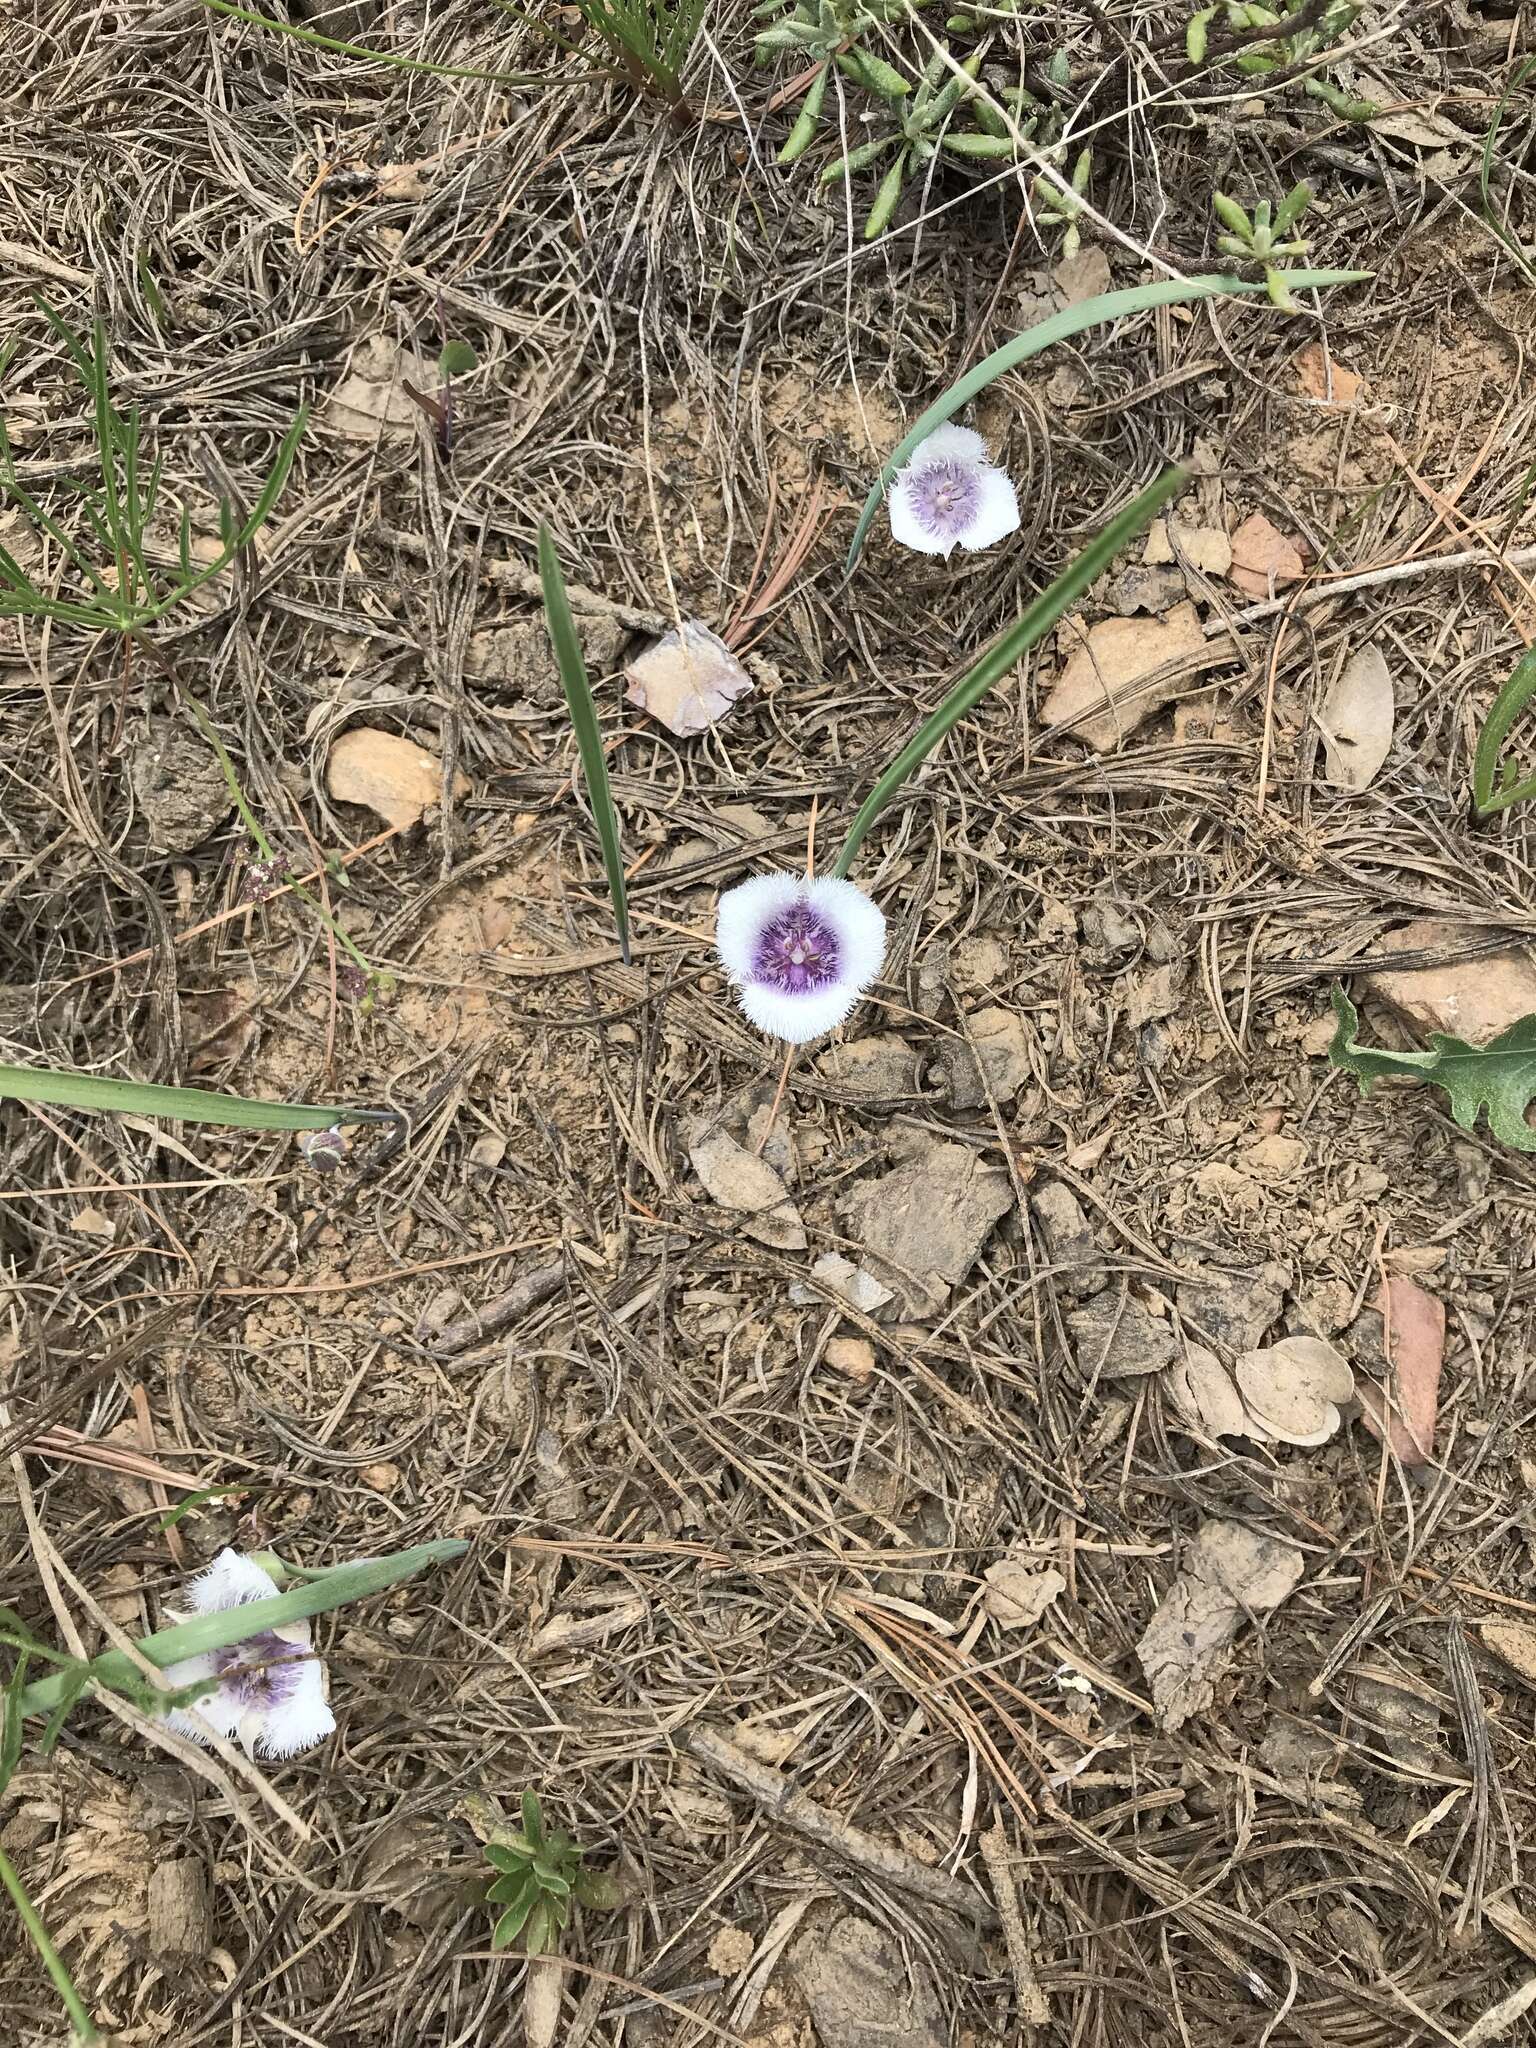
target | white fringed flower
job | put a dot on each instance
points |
(799, 953)
(949, 495)
(268, 1690)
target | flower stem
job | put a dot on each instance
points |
(53, 1962)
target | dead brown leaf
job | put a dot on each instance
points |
(687, 680)
(1230, 1572)
(1264, 560)
(1293, 1388)
(1017, 1594)
(1096, 692)
(1415, 1334)
(1357, 717)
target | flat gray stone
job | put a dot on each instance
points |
(924, 1223)
(860, 1995)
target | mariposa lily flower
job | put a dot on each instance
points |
(269, 1690)
(799, 953)
(950, 496)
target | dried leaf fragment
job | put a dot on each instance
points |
(1294, 1388)
(1415, 1325)
(1357, 719)
(1325, 379)
(1185, 1649)
(687, 680)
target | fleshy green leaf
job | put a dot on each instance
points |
(506, 1891)
(509, 1855)
(1494, 787)
(1499, 1077)
(537, 1936)
(1097, 312)
(602, 1890)
(533, 1820)
(457, 359)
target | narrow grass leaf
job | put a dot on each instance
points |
(1099, 312)
(67, 1090)
(204, 1494)
(195, 1638)
(1494, 787)
(396, 63)
(589, 739)
(1005, 654)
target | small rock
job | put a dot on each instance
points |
(1226, 1189)
(737, 1179)
(519, 658)
(1230, 1572)
(180, 1908)
(859, 1994)
(730, 1951)
(1099, 694)
(847, 1282)
(1120, 1339)
(1470, 999)
(1264, 559)
(178, 785)
(388, 774)
(1323, 378)
(1235, 1309)
(1070, 1245)
(927, 1220)
(1158, 549)
(383, 1478)
(1018, 1595)
(1002, 1046)
(879, 1068)
(854, 1356)
(1273, 1155)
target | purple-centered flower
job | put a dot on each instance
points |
(949, 496)
(268, 1690)
(799, 953)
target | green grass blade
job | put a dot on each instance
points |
(320, 42)
(1005, 653)
(1490, 793)
(63, 1983)
(1097, 312)
(207, 1632)
(589, 739)
(67, 1090)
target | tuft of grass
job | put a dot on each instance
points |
(1005, 653)
(1099, 312)
(589, 738)
(117, 593)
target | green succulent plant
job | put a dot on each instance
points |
(538, 1875)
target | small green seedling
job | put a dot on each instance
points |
(921, 125)
(650, 40)
(1055, 208)
(1262, 239)
(538, 1875)
(1267, 43)
(1499, 1077)
(1494, 784)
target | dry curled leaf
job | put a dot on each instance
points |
(1294, 1388)
(687, 680)
(1230, 1572)
(1357, 718)
(1415, 1336)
